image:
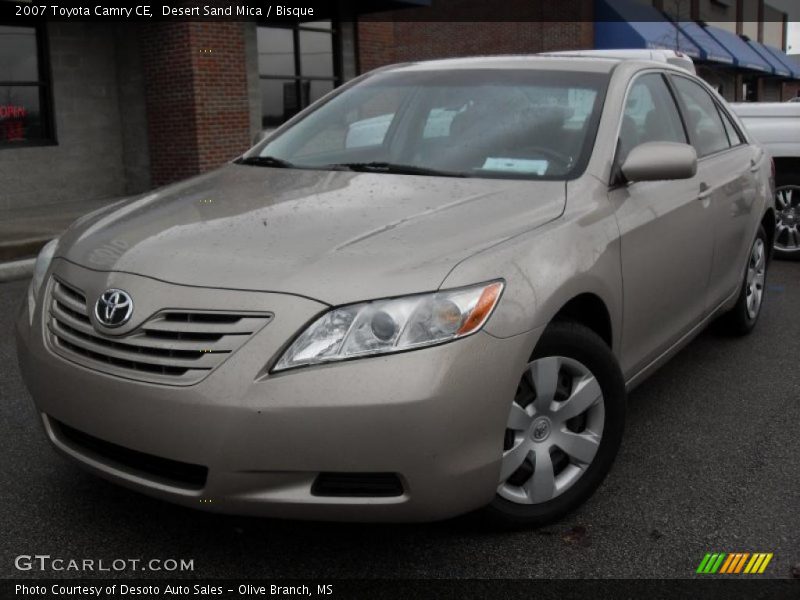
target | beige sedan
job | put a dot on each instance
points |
(427, 294)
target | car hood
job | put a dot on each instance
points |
(335, 236)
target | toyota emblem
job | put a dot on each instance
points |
(114, 308)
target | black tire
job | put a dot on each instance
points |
(782, 181)
(580, 343)
(738, 320)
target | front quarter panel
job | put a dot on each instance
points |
(546, 268)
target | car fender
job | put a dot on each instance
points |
(544, 269)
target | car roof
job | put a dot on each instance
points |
(593, 64)
(672, 57)
(510, 61)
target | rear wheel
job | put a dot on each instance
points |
(564, 427)
(787, 219)
(741, 319)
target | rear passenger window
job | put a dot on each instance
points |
(703, 119)
(734, 137)
(650, 115)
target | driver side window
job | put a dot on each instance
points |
(650, 116)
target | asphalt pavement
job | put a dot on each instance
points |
(709, 464)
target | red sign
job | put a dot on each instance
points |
(12, 129)
(10, 111)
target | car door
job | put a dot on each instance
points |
(666, 249)
(726, 167)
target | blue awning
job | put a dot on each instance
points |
(628, 24)
(743, 55)
(710, 49)
(783, 58)
(778, 68)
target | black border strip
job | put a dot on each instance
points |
(34, 11)
(710, 586)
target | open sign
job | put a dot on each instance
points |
(11, 111)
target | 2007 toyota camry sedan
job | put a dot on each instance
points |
(426, 294)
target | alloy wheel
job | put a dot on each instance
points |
(787, 227)
(756, 274)
(554, 430)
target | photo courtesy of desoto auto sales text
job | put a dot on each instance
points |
(399, 299)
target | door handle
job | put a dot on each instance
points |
(754, 166)
(705, 192)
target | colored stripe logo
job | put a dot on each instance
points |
(734, 563)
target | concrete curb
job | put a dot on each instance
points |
(16, 249)
(18, 269)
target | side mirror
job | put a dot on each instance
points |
(658, 161)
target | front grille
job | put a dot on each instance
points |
(166, 470)
(178, 347)
(361, 485)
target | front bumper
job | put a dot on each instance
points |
(435, 417)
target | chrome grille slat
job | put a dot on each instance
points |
(133, 366)
(204, 360)
(82, 325)
(174, 346)
(223, 344)
(141, 339)
(70, 298)
(244, 326)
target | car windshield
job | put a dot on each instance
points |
(520, 123)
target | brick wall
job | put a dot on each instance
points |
(790, 90)
(465, 28)
(723, 80)
(196, 92)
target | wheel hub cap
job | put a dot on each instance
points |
(787, 228)
(553, 432)
(756, 275)
(540, 429)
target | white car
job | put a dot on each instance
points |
(777, 126)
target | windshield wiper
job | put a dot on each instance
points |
(387, 167)
(265, 161)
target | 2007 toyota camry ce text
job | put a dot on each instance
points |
(426, 294)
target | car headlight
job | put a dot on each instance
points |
(394, 325)
(39, 271)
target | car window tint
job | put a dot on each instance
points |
(439, 120)
(702, 117)
(368, 132)
(506, 123)
(536, 129)
(362, 127)
(734, 136)
(650, 115)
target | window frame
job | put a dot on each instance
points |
(45, 86)
(671, 96)
(719, 108)
(726, 116)
(298, 78)
(616, 179)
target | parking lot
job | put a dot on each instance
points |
(709, 463)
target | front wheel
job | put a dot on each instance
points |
(564, 428)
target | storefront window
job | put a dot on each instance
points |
(296, 66)
(24, 88)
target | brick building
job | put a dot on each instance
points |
(101, 110)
